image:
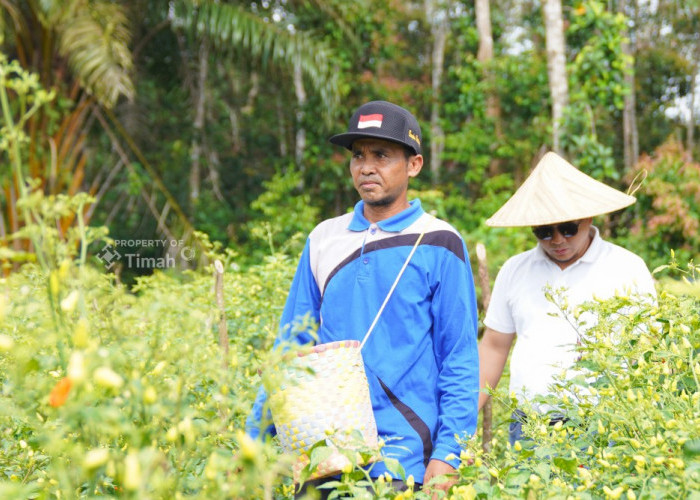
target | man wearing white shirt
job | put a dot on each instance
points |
(558, 202)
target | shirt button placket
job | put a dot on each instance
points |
(372, 232)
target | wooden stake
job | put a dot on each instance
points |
(485, 283)
(223, 329)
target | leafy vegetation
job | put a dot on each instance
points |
(184, 131)
(112, 393)
(631, 412)
(140, 390)
(668, 206)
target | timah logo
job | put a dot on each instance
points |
(109, 256)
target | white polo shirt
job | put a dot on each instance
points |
(546, 341)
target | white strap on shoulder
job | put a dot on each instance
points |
(388, 295)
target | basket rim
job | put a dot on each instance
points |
(328, 346)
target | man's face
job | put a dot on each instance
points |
(380, 171)
(564, 250)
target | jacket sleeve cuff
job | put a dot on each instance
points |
(448, 455)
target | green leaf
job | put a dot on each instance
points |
(692, 448)
(16, 490)
(318, 455)
(543, 470)
(518, 478)
(393, 466)
(566, 464)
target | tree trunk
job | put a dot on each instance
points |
(485, 55)
(556, 66)
(439, 25)
(483, 27)
(690, 138)
(691, 117)
(199, 117)
(281, 129)
(233, 111)
(630, 137)
(300, 142)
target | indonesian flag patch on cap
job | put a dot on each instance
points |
(367, 121)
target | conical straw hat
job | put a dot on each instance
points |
(556, 191)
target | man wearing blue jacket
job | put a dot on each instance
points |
(421, 359)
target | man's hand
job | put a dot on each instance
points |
(439, 468)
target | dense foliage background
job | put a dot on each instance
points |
(141, 140)
(214, 116)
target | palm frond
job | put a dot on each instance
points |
(238, 30)
(95, 40)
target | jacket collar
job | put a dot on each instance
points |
(394, 224)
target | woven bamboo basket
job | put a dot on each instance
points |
(325, 394)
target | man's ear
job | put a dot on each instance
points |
(415, 164)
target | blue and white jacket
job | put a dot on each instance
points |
(421, 360)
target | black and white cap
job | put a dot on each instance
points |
(382, 120)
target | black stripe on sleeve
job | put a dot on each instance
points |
(414, 421)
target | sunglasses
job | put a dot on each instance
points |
(566, 229)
